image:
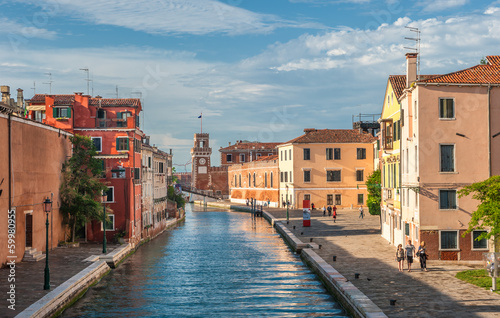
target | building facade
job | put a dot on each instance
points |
(245, 151)
(447, 142)
(255, 180)
(327, 167)
(113, 125)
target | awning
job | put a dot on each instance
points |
(124, 156)
(36, 107)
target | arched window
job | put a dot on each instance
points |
(235, 184)
(249, 180)
(265, 180)
(254, 179)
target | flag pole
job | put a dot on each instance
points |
(201, 123)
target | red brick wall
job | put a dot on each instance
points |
(465, 252)
(218, 177)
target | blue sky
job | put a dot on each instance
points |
(258, 70)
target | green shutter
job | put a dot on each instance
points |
(69, 112)
(117, 143)
(128, 142)
(55, 112)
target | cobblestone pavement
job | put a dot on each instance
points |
(64, 263)
(359, 248)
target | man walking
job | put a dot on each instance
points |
(361, 213)
(410, 253)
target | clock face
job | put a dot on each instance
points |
(202, 161)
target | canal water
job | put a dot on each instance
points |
(216, 264)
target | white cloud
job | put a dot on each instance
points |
(492, 10)
(440, 5)
(172, 16)
(19, 32)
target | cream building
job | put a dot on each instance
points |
(327, 167)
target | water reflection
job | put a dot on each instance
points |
(217, 264)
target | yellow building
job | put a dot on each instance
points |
(326, 166)
(390, 159)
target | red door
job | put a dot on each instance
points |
(29, 230)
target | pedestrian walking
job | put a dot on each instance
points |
(422, 254)
(247, 201)
(324, 210)
(268, 202)
(410, 253)
(400, 257)
(329, 211)
(361, 213)
(334, 215)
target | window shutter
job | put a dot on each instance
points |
(117, 143)
(128, 144)
(55, 112)
(69, 112)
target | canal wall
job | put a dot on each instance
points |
(64, 294)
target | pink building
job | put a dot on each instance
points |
(449, 139)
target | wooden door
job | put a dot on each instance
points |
(29, 230)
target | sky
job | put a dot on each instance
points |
(257, 70)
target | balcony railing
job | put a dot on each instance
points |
(110, 123)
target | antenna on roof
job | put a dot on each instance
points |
(49, 82)
(142, 105)
(116, 89)
(88, 79)
(417, 46)
(34, 88)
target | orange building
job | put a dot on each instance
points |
(257, 179)
(113, 125)
(244, 151)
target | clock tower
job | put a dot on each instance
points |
(200, 157)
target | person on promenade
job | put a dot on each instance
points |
(400, 257)
(248, 201)
(324, 210)
(410, 253)
(361, 213)
(329, 211)
(423, 256)
(334, 214)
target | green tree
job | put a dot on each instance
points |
(174, 178)
(374, 195)
(483, 61)
(178, 198)
(487, 215)
(81, 189)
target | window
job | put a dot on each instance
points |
(307, 197)
(415, 109)
(249, 180)
(239, 179)
(61, 112)
(271, 181)
(338, 199)
(336, 153)
(270, 154)
(329, 153)
(137, 173)
(416, 158)
(258, 155)
(329, 199)
(407, 229)
(103, 167)
(122, 143)
(359, 175)
(242, 157)
(281, 155)
(254, 179)
(229, 157)
(447, 199)
(307, 175)
(97, 143)
(122, 118)
(286, 176)
(110, 222)
(446, 108)
(282, 176)
(481, 244)
(110, 194)
(307, 154)
(290, 154)
(447, 153)
(265, 180)
(285, 155)
(291, 176)
(333, 175)
(448, 240)
(361, 200)
(361, 152)
(235, 181)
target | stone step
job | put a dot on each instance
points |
(32, 255)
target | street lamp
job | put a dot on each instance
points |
(47, 206)
(104, 198)
(286, 200)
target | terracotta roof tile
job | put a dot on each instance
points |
(268, 158)
(115, 102)
(263, 146)
(398, 83)
(58, 99)
(479, 74)
(493, 59)
(333, 136)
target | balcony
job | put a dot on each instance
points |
(112, 123)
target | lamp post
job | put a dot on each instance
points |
(286, 200)
(47, 206)
(104, 198)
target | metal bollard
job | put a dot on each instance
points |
(334, 258)
(356, 275)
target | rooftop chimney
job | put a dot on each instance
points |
(229, 143)
(411, 68)
(5, 94)
(308, 130)
(20, 98)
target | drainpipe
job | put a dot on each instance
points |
(489, 129)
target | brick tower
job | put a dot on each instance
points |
(200, 157)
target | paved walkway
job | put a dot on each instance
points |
(64, 263)
(360, 249)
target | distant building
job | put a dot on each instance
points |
(245, 151)
(255, 180)
(327, 167)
